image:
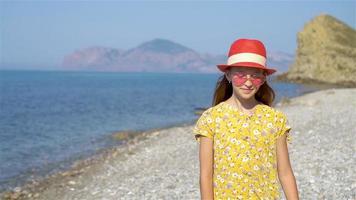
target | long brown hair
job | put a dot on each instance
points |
(223, 91)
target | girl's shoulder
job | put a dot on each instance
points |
(213, 111)
(274, 111)
(217, 110)
(277, 117)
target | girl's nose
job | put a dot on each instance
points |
(248, 82)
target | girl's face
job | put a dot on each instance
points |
(245, 80)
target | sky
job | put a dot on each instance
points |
(38, 34)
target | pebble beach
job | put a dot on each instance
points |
(164, 164)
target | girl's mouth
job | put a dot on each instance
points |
(246, 90)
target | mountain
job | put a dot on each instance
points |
(157, 55)
(92, 57)
(326, 53)
(279, 61)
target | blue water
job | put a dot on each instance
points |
(50, 118)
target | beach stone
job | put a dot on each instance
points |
(71, 182)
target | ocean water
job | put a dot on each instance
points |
(50, 118)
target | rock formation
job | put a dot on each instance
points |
(326, 53)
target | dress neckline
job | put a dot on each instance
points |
(235, 109)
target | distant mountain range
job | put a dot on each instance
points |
(158, 55)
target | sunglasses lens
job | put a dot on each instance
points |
(257, 81)
(239, 79)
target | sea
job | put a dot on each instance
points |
(49, 119)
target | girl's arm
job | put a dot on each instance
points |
(206, 168)
(285, 173)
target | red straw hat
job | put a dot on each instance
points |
(247, 53)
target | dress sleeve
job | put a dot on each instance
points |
(203, 126)
(284, 128)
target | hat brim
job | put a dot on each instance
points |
(224, 67)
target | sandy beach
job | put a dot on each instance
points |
(164, 164)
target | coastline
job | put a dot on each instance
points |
(130, 140)
(162, 163)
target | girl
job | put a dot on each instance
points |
(243, 139)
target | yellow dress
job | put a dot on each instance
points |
(245, 165)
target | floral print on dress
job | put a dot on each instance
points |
(244, 150)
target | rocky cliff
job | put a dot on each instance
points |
(326, 53)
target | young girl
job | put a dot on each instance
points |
(243, 140)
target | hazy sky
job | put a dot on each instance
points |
(40, 33)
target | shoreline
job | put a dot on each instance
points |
(122, 137)
(38, 173)
(122, 153)
(283, 78)
(128, 143)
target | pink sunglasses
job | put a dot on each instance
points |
(239, 78)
